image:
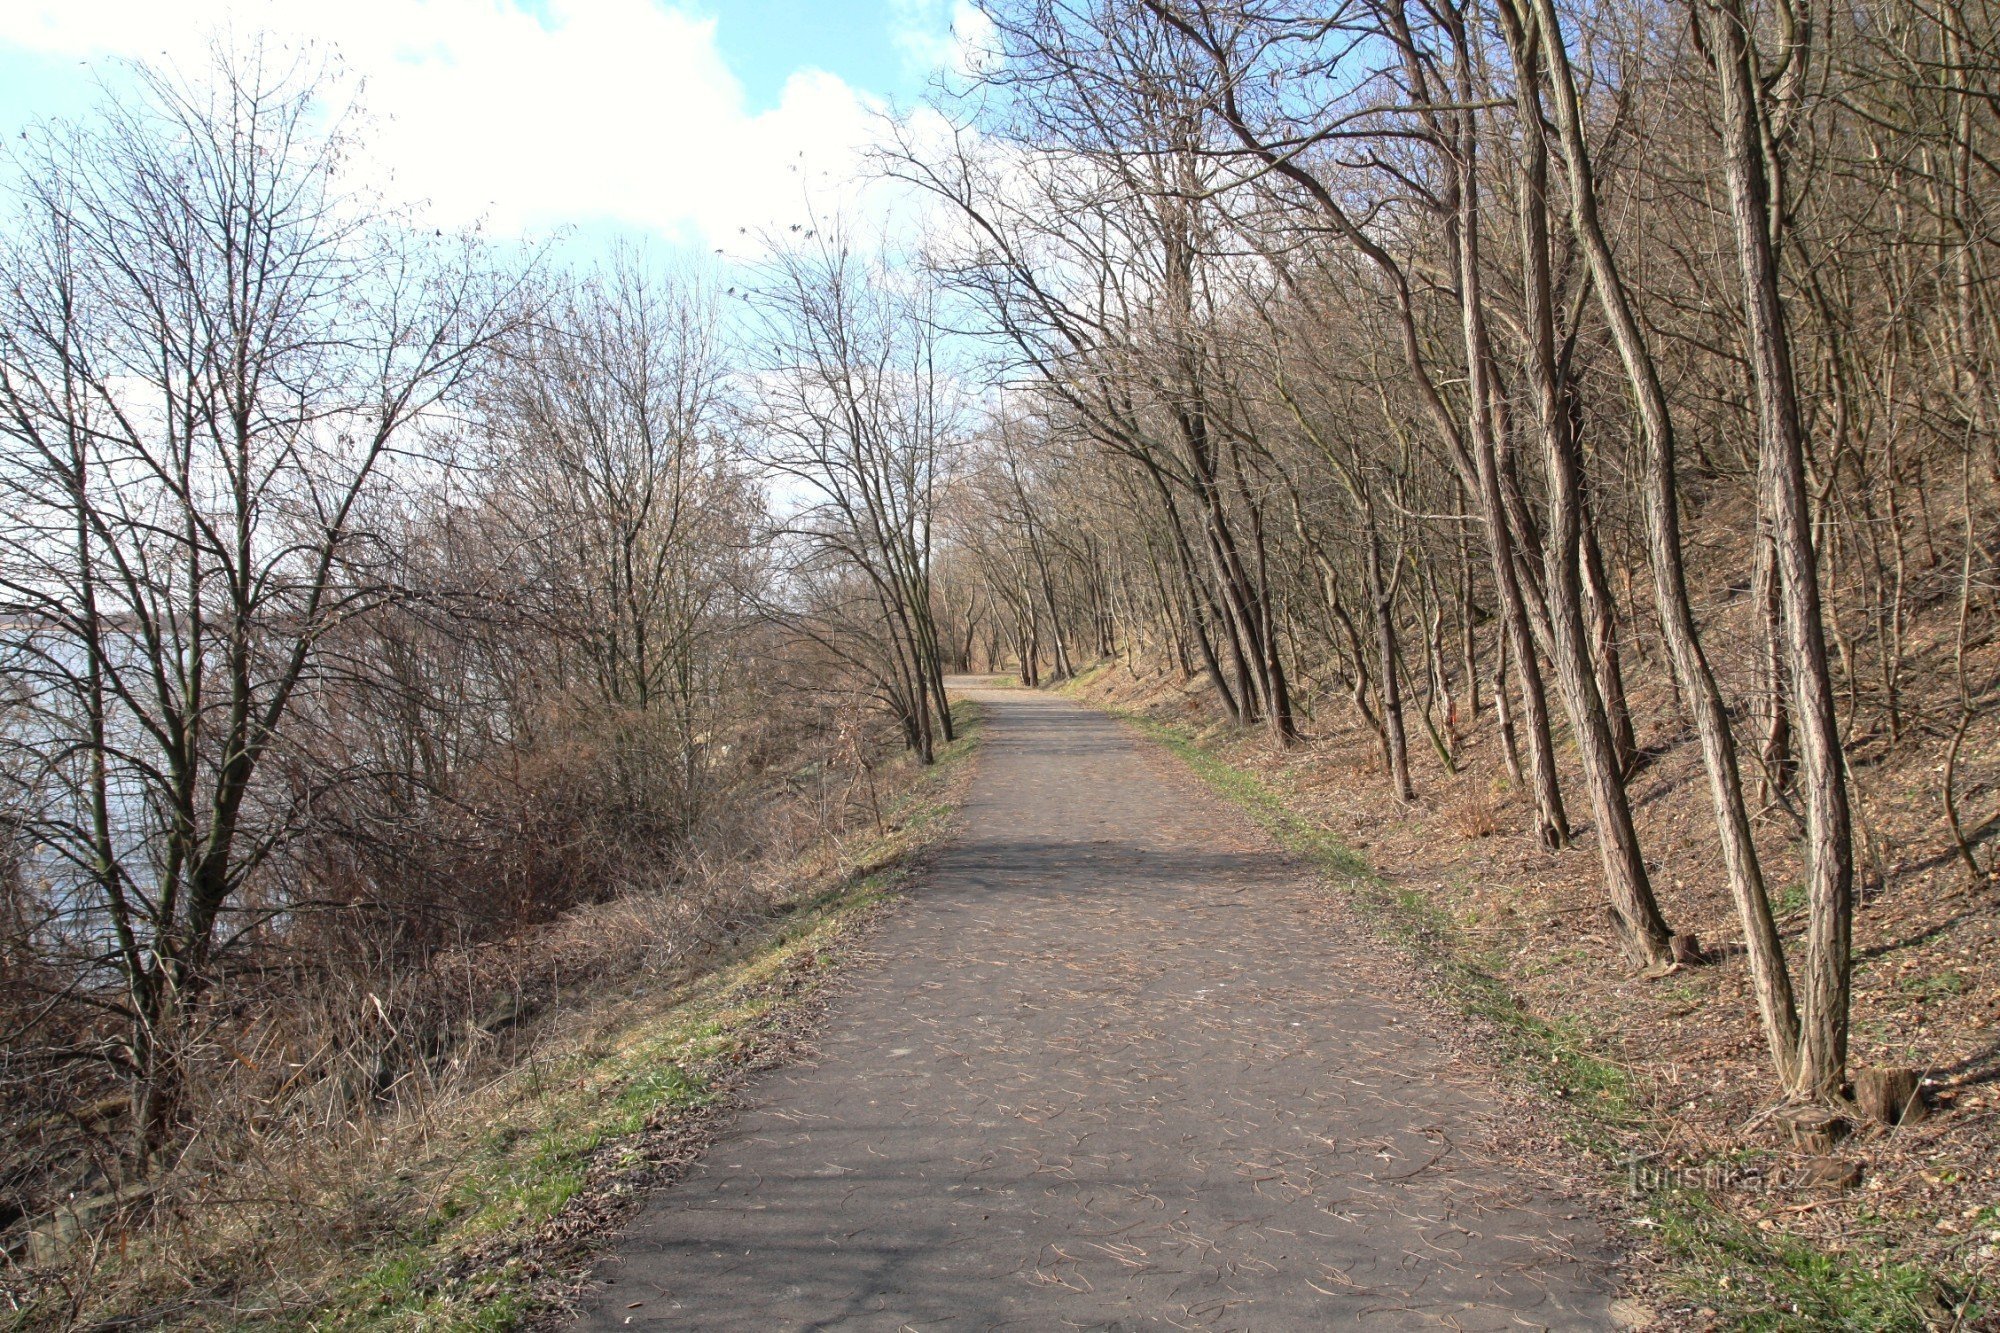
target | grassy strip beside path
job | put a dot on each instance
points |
(481, 1212)
(603, 1123)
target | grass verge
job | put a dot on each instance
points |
(471, 1265)
(1742, 1277)
(479, 1218)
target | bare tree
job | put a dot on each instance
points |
(857, 414)
(212, 349)
(618, 493)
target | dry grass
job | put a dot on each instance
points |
(1478, 816)
(585, 1057)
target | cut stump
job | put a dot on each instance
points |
(1890, 1096)
(1814, 1129)
(1830, 1173)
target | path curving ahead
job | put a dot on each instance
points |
(1112, 1069)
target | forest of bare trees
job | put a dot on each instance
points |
(1385, 365)
(1541, 391)
(374, 595)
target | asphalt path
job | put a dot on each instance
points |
(1113, 1065)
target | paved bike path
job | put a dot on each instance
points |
(1115, 1066)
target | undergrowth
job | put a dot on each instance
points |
(1750, 1279)
(660, 1067)
(449, 1220)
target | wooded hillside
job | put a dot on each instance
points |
(1406, 362)
(1579, 418)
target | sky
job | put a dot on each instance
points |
(699, 123)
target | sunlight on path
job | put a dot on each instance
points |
(1114, 1068)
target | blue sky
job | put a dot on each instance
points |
(700, 121)
(765, 41)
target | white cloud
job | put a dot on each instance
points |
(597, 110)
(948, 35)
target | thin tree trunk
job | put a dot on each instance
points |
(1647, 939)
(1604, 654)
(1822, 770)
(1551, 827)
(1503, 713)
(1770, 707)
(1381, 596)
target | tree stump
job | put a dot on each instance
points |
(1829, 1173)
(1890, 1096)
(1687, 951)
(1813, 1129)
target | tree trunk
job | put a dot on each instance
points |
(1822, 769)
(1604, 655)
(1770, 708)
(1551, 825)
(1648, 941)
(1382, 601)
(1503, 714)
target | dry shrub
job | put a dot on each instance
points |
(327, 1084)
(1477, 815)
(439, 942)
(311, 1104)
